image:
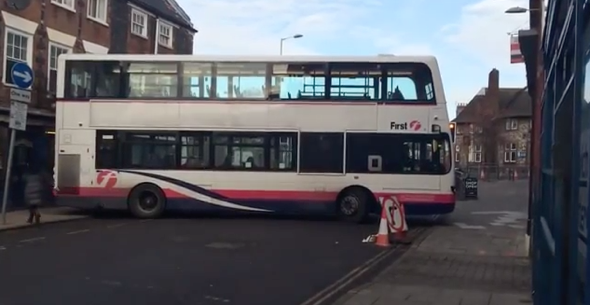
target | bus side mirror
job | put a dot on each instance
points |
(453, 129)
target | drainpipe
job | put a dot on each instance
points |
(157, 35)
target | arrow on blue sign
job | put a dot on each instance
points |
(22, 75)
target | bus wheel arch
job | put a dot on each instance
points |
(354, 203)
(146, 200)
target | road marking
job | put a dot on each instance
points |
(30, 240)
(465, 226)
(2, 248)
(216, 299)
(78, 232)
(517, 226)
(117, 225)
(490, 212)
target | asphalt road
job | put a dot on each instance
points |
(500, 204)
(197, 261)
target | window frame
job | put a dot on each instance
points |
(511, 124)
(97, 6)
(144, 26)
(170, 27)
(49, 69)
(29, 53)
(62, 4)
(477, 149)
(510, 152)
(477, 157)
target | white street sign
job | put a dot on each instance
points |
(20, 95)
(18, 115)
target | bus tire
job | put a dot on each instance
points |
(147, 201)
(353, 205)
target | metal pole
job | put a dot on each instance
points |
(157, 36)
(281, 46)
(8, 170)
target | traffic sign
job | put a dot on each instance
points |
(18, 115)
(20, 95)
(22, 75)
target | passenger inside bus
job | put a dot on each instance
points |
(396, 95)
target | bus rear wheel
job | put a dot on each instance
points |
(147, 201)
(353, 205)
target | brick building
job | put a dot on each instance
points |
(38, 31)
(493, 129)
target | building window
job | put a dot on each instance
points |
(477, 153)
(69, 4)
(458, 129)
(139, 23)
(165, 35)
(510, 153)
(97, 10)
(54, 52)
(511, 124)
(17, 51)
(457, 157)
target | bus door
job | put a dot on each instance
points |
(74, 160)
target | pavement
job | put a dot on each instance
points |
(476, 256)
(118, 260)
(17, 219)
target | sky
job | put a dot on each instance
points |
(468, 37)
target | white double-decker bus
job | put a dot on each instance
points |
(273, 134)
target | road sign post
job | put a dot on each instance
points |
(22, 77)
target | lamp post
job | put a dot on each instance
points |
(538, 23)
(285, 38)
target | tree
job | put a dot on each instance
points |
(486, 131)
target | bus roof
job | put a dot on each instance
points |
(429, 60)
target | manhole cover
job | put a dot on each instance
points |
(222, 245)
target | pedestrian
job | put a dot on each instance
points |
(34, 193)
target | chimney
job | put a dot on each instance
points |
(460, 107)
(493, 82)
(493, 92)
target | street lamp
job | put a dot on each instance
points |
(520, 10)
(289, 37)
(516, 10)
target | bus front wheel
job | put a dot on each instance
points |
(147, 201)
(353, 205)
